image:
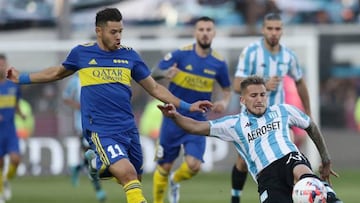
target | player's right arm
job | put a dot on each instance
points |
(163, 94)
(190, 125)
(46, 75)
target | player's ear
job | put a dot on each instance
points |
(242, 100)
(98, 31)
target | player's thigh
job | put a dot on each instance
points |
(273, 182)
(241, 164)
(135, 154)
(124, 171)
(170, 141)
(194, 145)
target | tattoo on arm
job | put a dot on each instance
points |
(318, 139)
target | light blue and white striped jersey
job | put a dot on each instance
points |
(72, 91)
(261, 140)
(255, 59)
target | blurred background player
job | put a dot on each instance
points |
(9, 141)
(271, 60)
(24, 125)
(150, 121)
(192, 71)
(71, 97)
(292, 97)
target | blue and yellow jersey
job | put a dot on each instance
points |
(105, 79)
(9, 96)
(195, 80)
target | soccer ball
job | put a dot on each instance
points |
(309, 190)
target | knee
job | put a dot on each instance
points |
(165, 168)
(194, 166)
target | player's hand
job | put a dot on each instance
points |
(201, 106)
(273, 83)
(168, 110)
(219, 106)
(172, 71)
(325, 172)
(12, 74)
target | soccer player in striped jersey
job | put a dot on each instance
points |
(261, 135)
(106, 69)
(271, 60)
(193, 71)
(9, 141)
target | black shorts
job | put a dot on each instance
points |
(276, 181)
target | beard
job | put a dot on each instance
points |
(273, 43)
(204, 46)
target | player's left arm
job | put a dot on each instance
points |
(304, 95)
(188, 124)
(318, 139)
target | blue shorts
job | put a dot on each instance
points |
(172, 138)
(112, 148)
(9, 141)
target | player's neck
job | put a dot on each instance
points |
(273, 49)
(201, 51)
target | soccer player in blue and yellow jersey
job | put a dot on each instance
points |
(271, 60)
(262, 137)
(193, 71)
(71, 97)
(9, 141)
(106, 69)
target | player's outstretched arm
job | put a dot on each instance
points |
(47, 75)
(163, 94)
(319, 142)
(190, 125)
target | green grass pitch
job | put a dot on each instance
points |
(206, 187)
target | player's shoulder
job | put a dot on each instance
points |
(217, 55)
(253, 46)
(126, 48)
(86, 44)
(188, 47)
(287, 49)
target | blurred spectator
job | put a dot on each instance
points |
(24, 126)
(150, 121)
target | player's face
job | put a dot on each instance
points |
(110, 35)
(255, 99)
(272, 31)
(204, 33)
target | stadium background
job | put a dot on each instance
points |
(52, 148)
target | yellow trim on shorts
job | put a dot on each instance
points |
(103, 157)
